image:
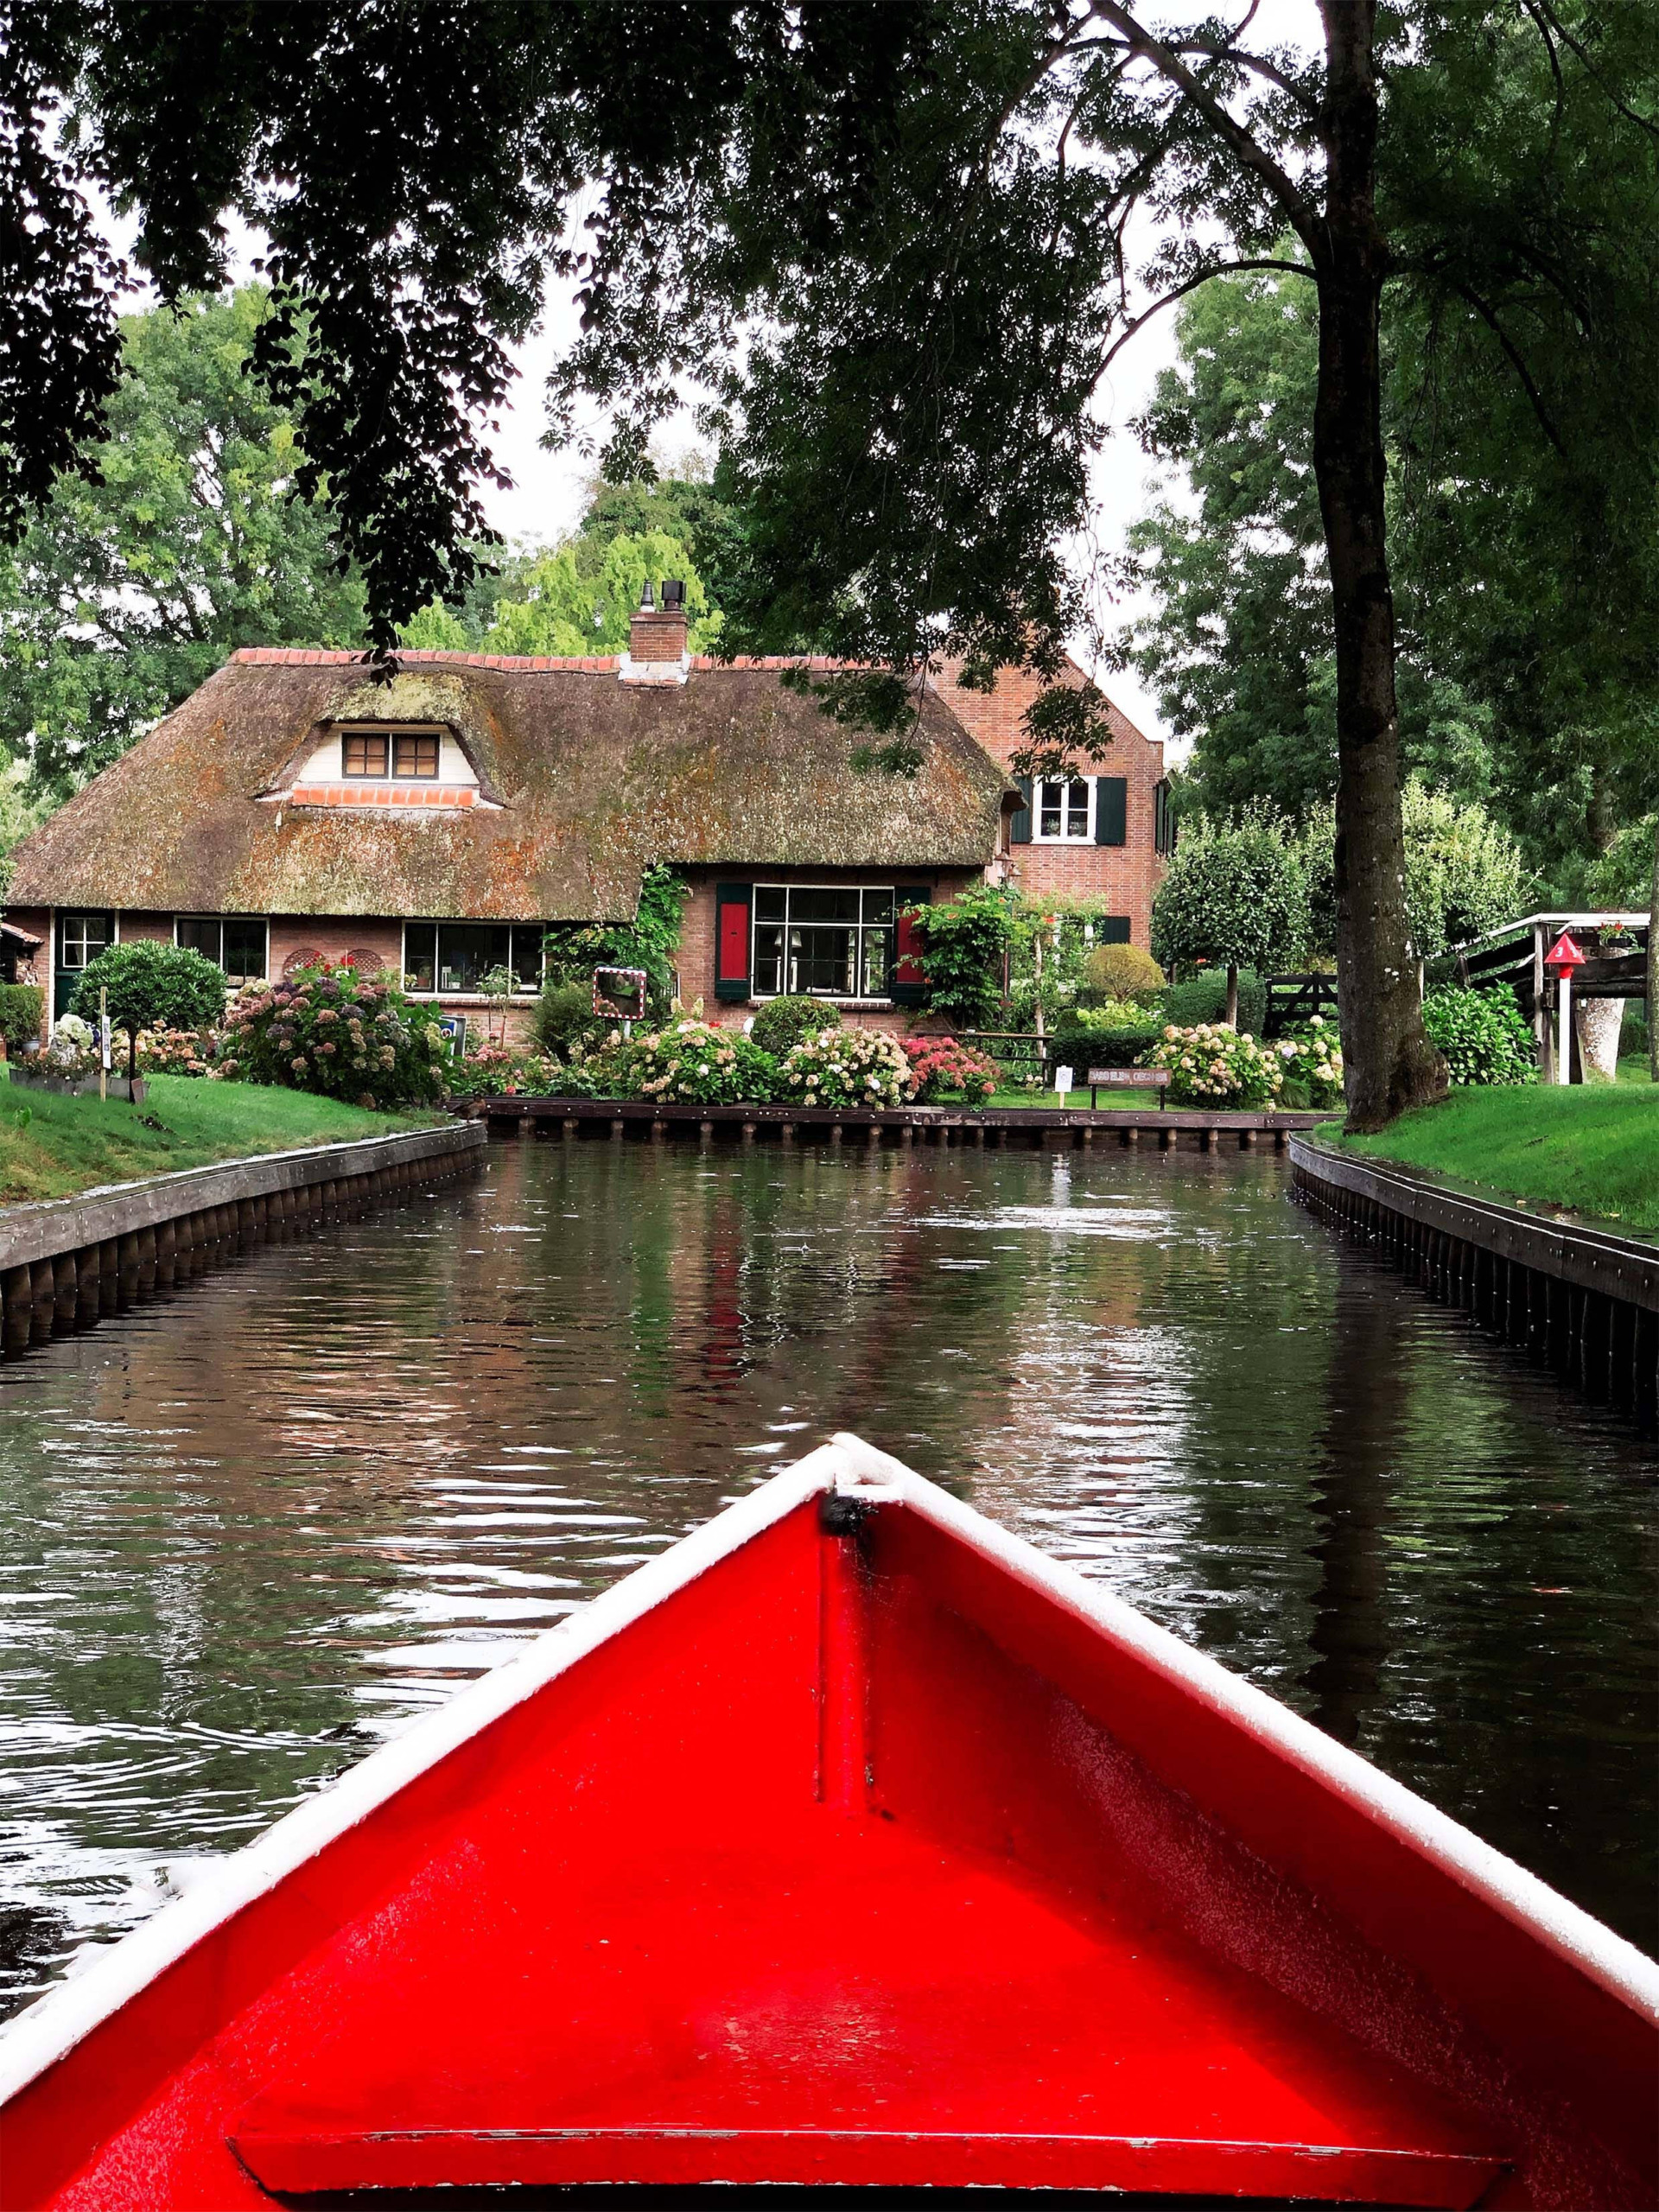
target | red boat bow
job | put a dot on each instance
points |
(852, 1841)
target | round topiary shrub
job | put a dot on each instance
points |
(564, 1021)
(151, 986)
(782, 1023)
(1121, 972)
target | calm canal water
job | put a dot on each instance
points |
(251, 1528)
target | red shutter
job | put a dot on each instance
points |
(909, 984)
(732, 906)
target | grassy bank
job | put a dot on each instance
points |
(51, 1147)
(1595, 1148)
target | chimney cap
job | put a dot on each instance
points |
(646, 599)
(673, 592)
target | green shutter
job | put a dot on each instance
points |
(733, 902)
(1019, 823)
(912, 990)
(1111, 809)
(1112, 929)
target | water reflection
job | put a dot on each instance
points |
(253, 1529)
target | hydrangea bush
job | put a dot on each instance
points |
(847, 1067)
(71, 1048)
(1213, 1065)
(940, 1066)
(342, 1035)
(1311, 1057)
(691, 1063)
(177, 1051)
(1483, 1034)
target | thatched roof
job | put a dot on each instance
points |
(594, 778)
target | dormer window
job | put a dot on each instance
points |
(363, 752)
(415, 755)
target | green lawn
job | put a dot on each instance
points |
(1077, 1101)
(1595, 1148)
(52, 1147)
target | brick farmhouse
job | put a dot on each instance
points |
(296, 807)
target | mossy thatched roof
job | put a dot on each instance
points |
(595, 779)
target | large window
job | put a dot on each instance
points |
(1065, 812)
(454, 958)
(837, 943)
(235, 943)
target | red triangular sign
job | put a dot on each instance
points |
(1564, 953)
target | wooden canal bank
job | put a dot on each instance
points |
(1051, 1129)
(1580, 1300)
(66, 1264)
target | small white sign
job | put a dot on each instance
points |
(1063, 1079)
(103, 1041)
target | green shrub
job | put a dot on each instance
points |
(326, 1030)
(965, 941)
(1482, 1034)
(151, 986)
(564, 1021)
(21, 1008)
(1202, 998)
(1633, 1035)
(1112, 1036)
(782, 1023)
(649, 941)
(1213, 1065)
(1117, 972)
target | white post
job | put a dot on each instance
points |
(1564, 1040)
(103, 1042)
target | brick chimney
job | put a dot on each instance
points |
(657, 638)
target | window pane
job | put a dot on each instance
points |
(824, 960)
(1049, 810)
(420, 955)
(244, 950)
(823, 905)
(878, 962)
(767, 982)
(769, 903)
(468, 951)
(197, 934)
(364, 754)
(415, 756)
(527, 955)
(878, 907)
(81, 937)
(1077, 810)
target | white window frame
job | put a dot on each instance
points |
(1062, 836)
(858, 997)
(218, 958)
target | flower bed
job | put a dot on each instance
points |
(692, 1062)
(941, 1066)
(847, 1067)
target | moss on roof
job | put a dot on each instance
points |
(596, 778)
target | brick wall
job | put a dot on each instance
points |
(1126, 875)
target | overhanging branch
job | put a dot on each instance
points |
(1221, 269)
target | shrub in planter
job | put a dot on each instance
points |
(1482, 1034)
(326, 1030)
(692, 1062)
(21, 1008)
(150, 986)
(1213, 1065)
(72, 1049)
(847, 1067)
(1310, 1060)
(1113, 973)
(941, 1066)
(782, 1023)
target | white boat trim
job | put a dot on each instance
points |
(64, 2015)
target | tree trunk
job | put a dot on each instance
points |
(1231, 1015)
(1389, 1062)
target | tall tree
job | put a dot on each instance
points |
(125, 592)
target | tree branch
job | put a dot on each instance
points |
(1244, 147)
(1513, 356)
(1221, 269)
